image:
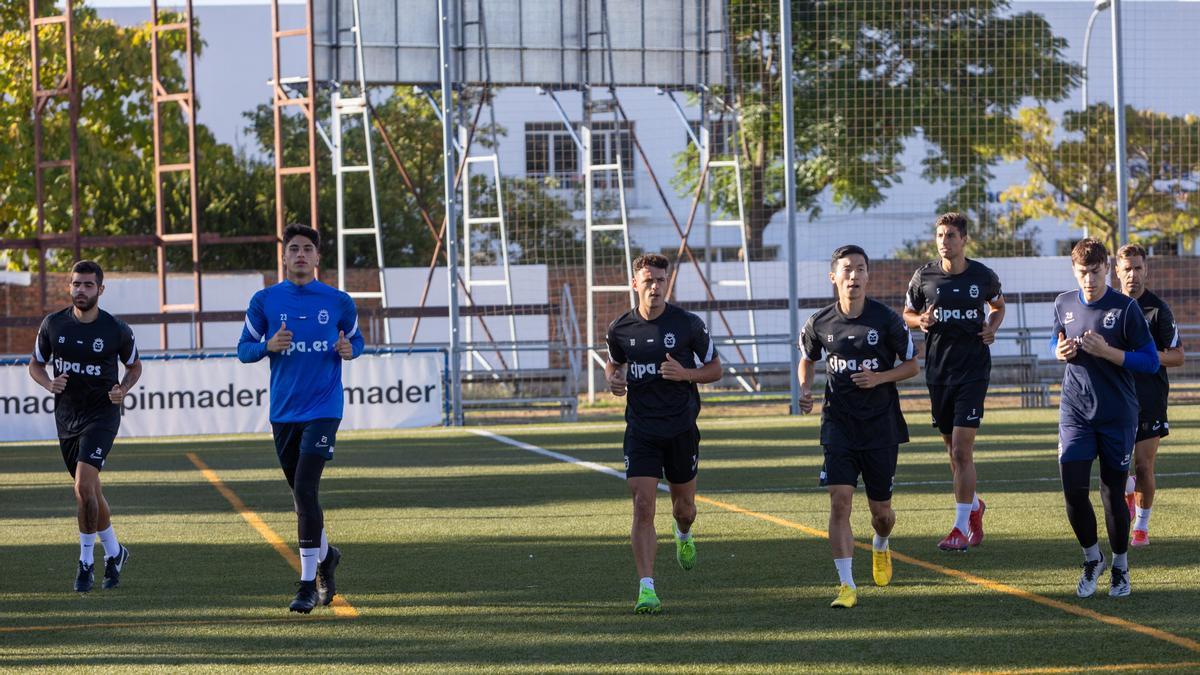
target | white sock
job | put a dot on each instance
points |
(845, 573)
(108, 539)
(308, 564)
(647, 582)
(87, 541)
(682, 536)
(1092, 553)
(1130, 483)
(1120, 561)
(879, 543)
(1143, 519)
(324, 547)
(975, 503)
(962, 516)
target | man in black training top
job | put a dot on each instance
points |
(659, 353)
(948, 299)
(1152, 389)
(84, 343)
(861, 424)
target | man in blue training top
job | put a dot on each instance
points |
(1103, 338)
(312, 328)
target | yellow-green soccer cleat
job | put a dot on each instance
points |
(881, 567)
(847, 597)
(685, 552)
(647, 602)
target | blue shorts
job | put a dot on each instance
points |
(1112, 443)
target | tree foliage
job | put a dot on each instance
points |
(869, 77)
(1072, 171)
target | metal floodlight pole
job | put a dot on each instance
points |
(1119, 121)
(789, 195)
(448, 197)
(1097, 7)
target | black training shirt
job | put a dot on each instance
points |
(1153, 389)
(854, 417)
(88, 354)
(659, 407)
(954, 352)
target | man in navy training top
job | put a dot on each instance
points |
(861, 423)
(306, 329)
(1103, 338)
(84, 344)
(949, 300)
(1152, 389)
(647, 349)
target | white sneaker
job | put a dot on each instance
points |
(1092, 570)
(1120, 583)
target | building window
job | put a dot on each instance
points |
(724, 135)
(551, 153)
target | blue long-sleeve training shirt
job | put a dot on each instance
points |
(306, 379)
(1095, 390)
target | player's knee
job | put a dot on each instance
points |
(684, 512)
(962, 453)
(840, 505)
(643, 507)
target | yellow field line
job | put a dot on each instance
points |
(150, 624)
(989, 584)
(1092, 669)
(341, 607)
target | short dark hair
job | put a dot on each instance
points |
(651, 260)
(1089, 251)
(1132, 251)
(952, 219)
(89, 267)
(846, 251)
(296, 230)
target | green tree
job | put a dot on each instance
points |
(115, 173)
(870, 76)
(1072, 174)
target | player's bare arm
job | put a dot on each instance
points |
(869, 379)
(806, 371)
(994, 319)
(677, 372)
(54, 385)
(614, 374)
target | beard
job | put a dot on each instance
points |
(85, 304)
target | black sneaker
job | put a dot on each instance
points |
(85, 578)
(112, 569)
(306, 597)
(326, 589)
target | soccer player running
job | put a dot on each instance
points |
(306, 329)
(1103, 338)
(861, 423)
(84, 344)
(658, 353)
(1152, 389)
(948, 299)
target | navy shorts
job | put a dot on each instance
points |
(877, 467)
(1152, 425)
(292, 439)
(1112, 443)
(90, 446)
(676, 458)
(957, 405)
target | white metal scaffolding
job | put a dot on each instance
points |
(345, 107)
(591, 227)
(473, 224)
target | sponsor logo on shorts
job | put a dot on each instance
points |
(324, 442)
(62, 339)
(973, 416)
(872, 337)
(98, 453)
(669, 340)
(98, 345)
(1156, 426)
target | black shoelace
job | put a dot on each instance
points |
(1089, 569)
(1119, 576)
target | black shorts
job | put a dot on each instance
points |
(957, 405)
(90, 446)
(877, 467)
(676, 458)
(292, 439)
(1152, 424)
